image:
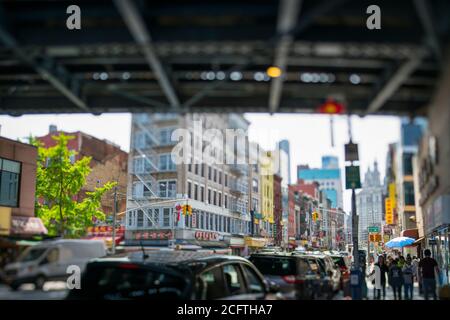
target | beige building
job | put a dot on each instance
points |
(158, 186)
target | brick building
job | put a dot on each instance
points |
(17, 196)
(109, 163)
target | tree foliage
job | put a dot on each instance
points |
(59, 180)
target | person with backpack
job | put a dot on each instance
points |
(408, 278)
(396, 279)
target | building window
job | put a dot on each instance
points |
(220, 199)
(220, 177)
(166, 163)
(189, 190)
(207, 221)
(226, 180)
(141, 190)
(225, 200)
(217, 223)
(209, 173)
(203, 170)
(409, 193)
(195, 191)
(209, 196)
(202, 194)
(215, 198)
(167, 189)
(140, 218)
(165, 136)
(190, 167)
(255, 185)
(142, 140)
(407, 164)
(211, 221)
(215, 175)
(200, 220)
(141, 165)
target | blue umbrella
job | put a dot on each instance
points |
(400, 242)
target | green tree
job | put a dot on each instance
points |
(59, 181)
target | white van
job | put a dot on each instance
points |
(49, 260)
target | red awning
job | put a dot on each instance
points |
(411, 233)
(27, 226)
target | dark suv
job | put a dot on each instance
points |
(295, 275)
(173, 275)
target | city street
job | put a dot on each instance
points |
(210, 150)
(52, 291)
(56, 291)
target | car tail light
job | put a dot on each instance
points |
(128, 266)
(291, 279)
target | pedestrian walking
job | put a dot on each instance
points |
(378, 276)
(415, 263)
(428, 269)
(401, 262)
(408, 278)
(396, 279)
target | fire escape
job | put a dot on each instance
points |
(143, 163)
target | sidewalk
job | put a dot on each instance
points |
(390, 292)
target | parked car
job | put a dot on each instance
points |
(344, 264)
(294, 274)
(49, 260)
(173, 275)
(329, 273)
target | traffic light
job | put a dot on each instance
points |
(187, 210)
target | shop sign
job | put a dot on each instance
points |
(153, 235)
(389, 211)
(206, 236)
(27, 226)
(5, 221)
(392, 194)
(237, 241)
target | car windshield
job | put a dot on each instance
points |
(129, 281)
(276, 266)
(31, 254)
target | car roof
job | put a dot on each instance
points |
(175, 259)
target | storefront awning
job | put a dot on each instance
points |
(27, 226)
(411, 233)
(108, 240)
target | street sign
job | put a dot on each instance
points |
(389, 211)
(351, 152)
(352, 178)
(374, 229)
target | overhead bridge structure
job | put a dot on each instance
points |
(212, 56)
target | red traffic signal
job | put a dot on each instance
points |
(331, 107)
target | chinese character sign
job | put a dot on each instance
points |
(389, 211)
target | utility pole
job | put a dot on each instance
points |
(113, 249)
(353, 181)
